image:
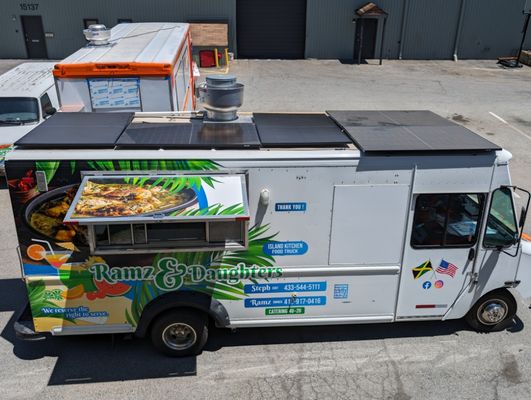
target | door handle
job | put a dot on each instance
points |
(471, 254)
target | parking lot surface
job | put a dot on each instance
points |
(428, 360)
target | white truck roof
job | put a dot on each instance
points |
(149, 42)
(27, 80)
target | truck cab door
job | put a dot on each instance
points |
(440, 249)
(503, 258)
(498, 252)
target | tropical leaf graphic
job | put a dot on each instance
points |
(161, 165)
(221, 290)
(171, 184)
(37, 300)
(154, 165)
(101, 165)
(48, 167)
(213, 209)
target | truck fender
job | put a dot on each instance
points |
(188, 299)
(524, 270)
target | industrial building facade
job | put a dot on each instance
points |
(290, 29)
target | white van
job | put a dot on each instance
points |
(27, 97)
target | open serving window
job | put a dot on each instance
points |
(162, 213)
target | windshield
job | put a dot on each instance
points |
(18, 110)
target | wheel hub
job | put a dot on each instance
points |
(493, 312)
(179, 336)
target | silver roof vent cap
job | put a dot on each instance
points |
(97, 34)
(221, 97)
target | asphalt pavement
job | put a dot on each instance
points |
(408, 360)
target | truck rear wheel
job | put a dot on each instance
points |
(180, 332)
(492, 312)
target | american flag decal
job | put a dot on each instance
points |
(446, 268)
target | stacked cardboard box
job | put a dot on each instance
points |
(525, 58)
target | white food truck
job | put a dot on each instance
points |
(166, 223)
(27, 97)
(131, 67)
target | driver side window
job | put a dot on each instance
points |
(446, 220)
(501, 223)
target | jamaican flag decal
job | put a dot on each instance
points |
(422, 269)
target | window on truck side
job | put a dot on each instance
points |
(501, 230)
(447, 220)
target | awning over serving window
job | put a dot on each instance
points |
(151, 198)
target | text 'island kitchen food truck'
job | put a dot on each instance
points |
(160, 224)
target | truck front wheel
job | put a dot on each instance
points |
(180, 332)
(492, 312)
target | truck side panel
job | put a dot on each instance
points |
(284, 274)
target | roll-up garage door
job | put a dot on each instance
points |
(271, 28)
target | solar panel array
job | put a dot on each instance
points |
(402, 131)
(370, 131)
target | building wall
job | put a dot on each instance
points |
(330, 31)
(65, 19)
(430, 30)
(491, 28)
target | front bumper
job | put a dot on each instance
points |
(24, 328)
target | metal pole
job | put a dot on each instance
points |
(526, 25)
(382, 41)
(405, 13)
(360, 44)
(459, 28)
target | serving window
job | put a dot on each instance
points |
(169, 237)
(162, 213)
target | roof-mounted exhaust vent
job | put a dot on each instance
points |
(221, 97)
(97, 35)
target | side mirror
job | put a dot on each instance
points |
(50, 111)
(523, 215)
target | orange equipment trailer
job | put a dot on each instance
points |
(131, 67)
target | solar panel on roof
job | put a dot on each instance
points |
(391, 131)
(73, 130)
(283, 130)
(156, 135)
(225, 135)
(389, 118)
(195, 134)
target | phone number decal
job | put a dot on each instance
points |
(285, 287)
(286, 301)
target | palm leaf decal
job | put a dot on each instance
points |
(38, 301)
(162, 165)
(48, 167)
(154, 165)
(171, 184)
(213, 209)
(145, 292)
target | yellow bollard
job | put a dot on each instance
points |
(216, 57)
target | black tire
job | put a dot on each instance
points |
(502, 310)
(180, 332)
